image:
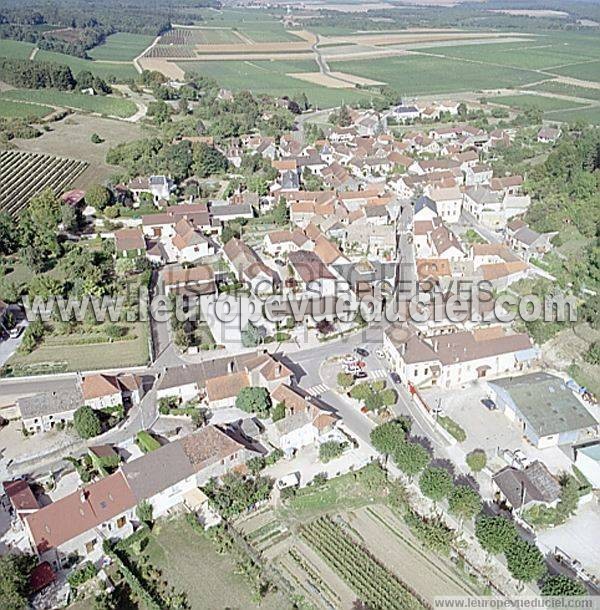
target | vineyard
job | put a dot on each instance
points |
(176, 51)
(25, 174)
(374, 583)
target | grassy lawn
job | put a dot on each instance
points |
(554, 86)
(55, 354)
(18, 110)
(103, 104)
(340, 493)
(190, 562)
(121, 46)
(15, 49)
(271, 77)
(422, 75)
(542, 102)
(109, 71)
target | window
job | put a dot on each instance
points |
(121, 521)
(89, 546)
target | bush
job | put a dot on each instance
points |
(330, 450)
(87, 422)
(476, 460)
(452, 428)
(77, 577)
(345, 380)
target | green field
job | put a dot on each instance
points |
(271, 77)
(103, 104)
(553, 86)
(121, 47)
(589, 115)
(521, 102)
(19, 110)
(15, 49)
(583, 71)
(423, 75)
(109, 71)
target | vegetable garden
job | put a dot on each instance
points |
(374, 583)
(26, 174)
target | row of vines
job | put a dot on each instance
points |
(374, 583)
(26, 174)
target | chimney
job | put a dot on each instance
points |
(82, 496)
(278, 370)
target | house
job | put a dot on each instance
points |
(527, 242)
(189, 281)
(478, 174)
(20, 498)
(548, 135)
(367, 277)
(188, 381)
(167, 476)
(406, 113)
(42, 412)
(129, 243)
(277, 243)
(305, 423)
(222, 391)
(444, 244)
(587, 459)
(448, 202)
(328, 252)
(101, 391)
(497, 265)
(531, 486)
(545, 409)
(453, 359)
(78, 523)
(157, 188)
(372, 241)
(249, 267)
(224, 212)
(313, 274)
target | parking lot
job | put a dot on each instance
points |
(491, 430)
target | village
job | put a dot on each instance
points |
(400, 200)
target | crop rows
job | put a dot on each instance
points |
(25, 174)
(374, 583)
(164, 50)
(182, 37)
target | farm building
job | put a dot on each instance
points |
(548, 411)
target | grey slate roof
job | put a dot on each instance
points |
(49, 403)
(533, 484)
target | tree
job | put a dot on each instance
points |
(254, 400)
(525, 561)
(278, 411)
(14, 580)
(476, 460)
(70, 217)
(495, 534)
(87, 423)
(373, 477)
(208, 161)
(97, 196)
(345, 380)
(281, 213)
(9, 238)
(330, 450)
(462, 110)
(411, 458)
(144, 512)
(593, 353)
(96, 139)
(560, 585)
(387, 438)
(436, 483)
(250, 336)
(464, 502)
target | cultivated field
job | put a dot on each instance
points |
(24, 175)
(560, 88)
(70, 137)
(102, 104)
(120, 47)
(19, 110)
(545, 103)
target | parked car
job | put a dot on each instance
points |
(396, 378)
(280, 262)
(361, 352)
(380, 354)
(360, 375)
(521, 458)
(16, 331)
(289, 480)
(489, 404)
(364, 409)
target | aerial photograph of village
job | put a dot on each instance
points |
(299, 304)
